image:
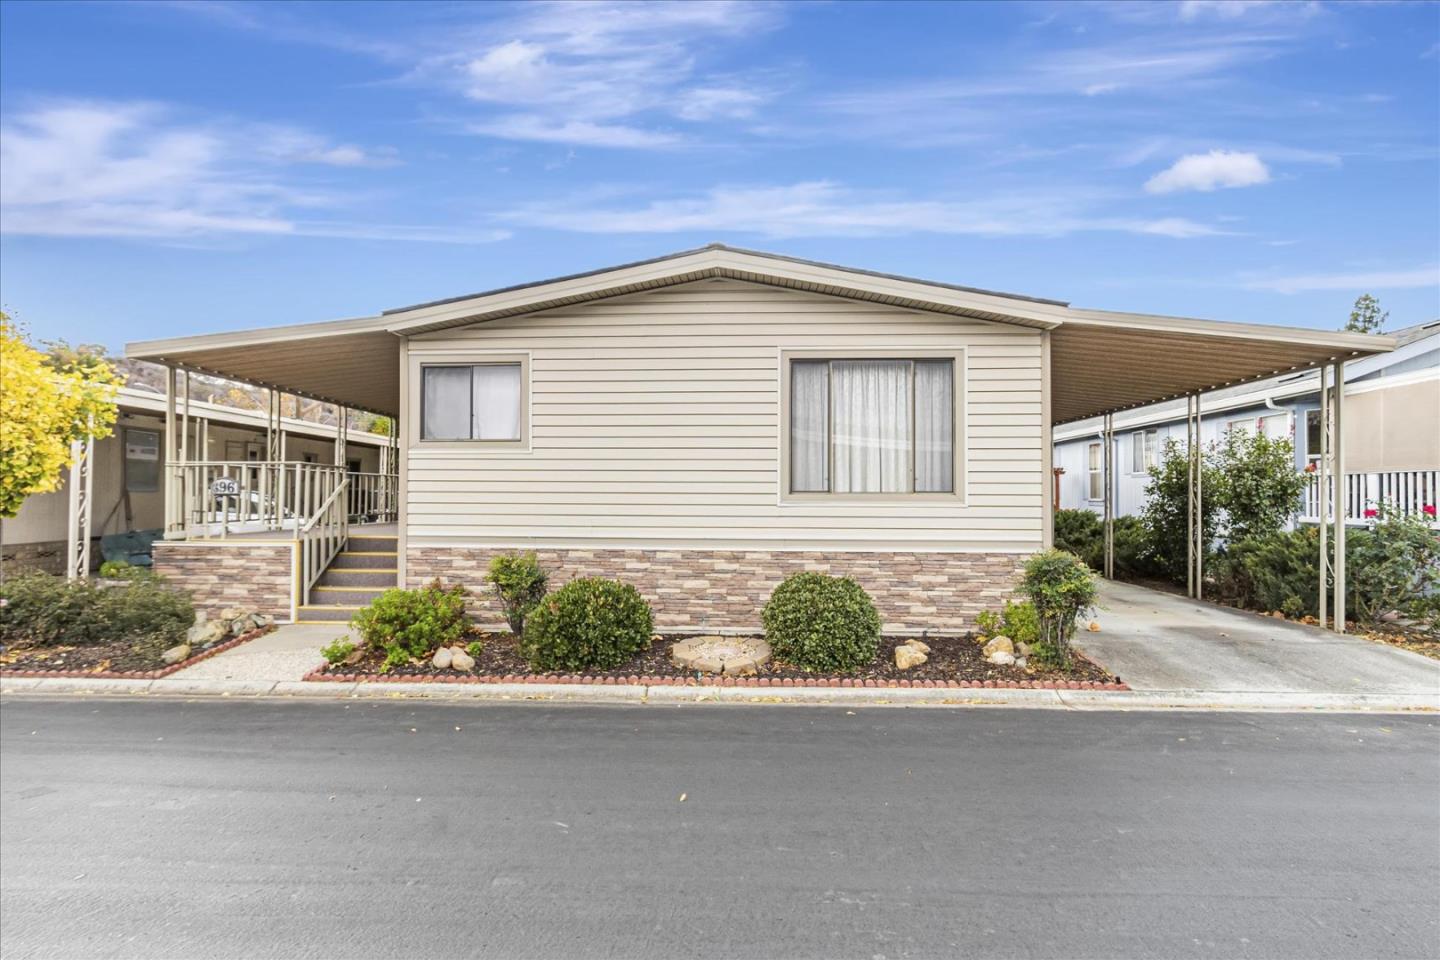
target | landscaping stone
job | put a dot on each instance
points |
(262, 620)
(443, 658)
(1023, 649)
(730, 656)
(920, 645)
(205, 634)
(241, 624)
(908, 655)
(460, 660)
(1001, 658)
(231, 613)
(1001, 644)
(176, 654)
(1022, 662)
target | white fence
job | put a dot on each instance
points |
(1407, 491)
(221, 498)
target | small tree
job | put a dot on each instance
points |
(1256, 484)
(1060, 588)
(1167, 508)
(1366, 316)
(519, 584)
(47, 403)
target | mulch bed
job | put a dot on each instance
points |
(953, 662)
(104, 661)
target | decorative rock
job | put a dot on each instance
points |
(460, 660)
(231, 613)
(907, 656)
(443, 658)
(1023, 649)
(1000, 644)
(205, 634)
(1022, 662)
(241, 625)
(1094, 626)
(1001, 658)
(731, 656)
(176, 654)
(262, 620)
(918, 645)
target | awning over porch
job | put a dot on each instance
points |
(1101, 361)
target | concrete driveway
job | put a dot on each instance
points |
(1160, 641)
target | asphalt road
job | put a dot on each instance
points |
(390, 829)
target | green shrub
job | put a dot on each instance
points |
(1061, 588)
(122, 570)
(43, 609)
(409, 624)
(337, 650)
(520, 585)
(1394, 566)
(1082, 533)
(1016, 621)
(588, 624)
(475, 648)
(822, 623)
(1274, 572)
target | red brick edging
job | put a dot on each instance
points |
(141, 674)
(320, 675)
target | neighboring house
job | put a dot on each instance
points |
(128, 485)
(1392, 432)
(704, 424)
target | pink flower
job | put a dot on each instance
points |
(1371, 514)
(1428, 510)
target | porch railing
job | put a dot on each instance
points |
(324, 534)
(221, 498)
(1406, 491)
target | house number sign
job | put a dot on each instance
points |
(225, 487)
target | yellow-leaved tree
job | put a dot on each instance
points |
(46, 403)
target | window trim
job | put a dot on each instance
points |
(1143, 434)
(958, 496)
(415, 394)
(1094, 471)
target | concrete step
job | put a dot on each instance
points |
(379, 577)
(370, 542)
(364, 560)
(343, 596)
(325, 614)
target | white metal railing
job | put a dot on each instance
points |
(1407, 491)
(219, 498)
(324, 534)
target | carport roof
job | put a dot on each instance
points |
(1101, 361)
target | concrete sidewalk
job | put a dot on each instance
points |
(288, 653)
(1164, 643)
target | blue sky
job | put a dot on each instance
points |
(173, 168)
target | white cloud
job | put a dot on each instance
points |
(1369, 280)
(1235, 9)
(823, 208)
(601, 74)
(100, 169)
(1210, 171)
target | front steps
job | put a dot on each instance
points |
(366, 568)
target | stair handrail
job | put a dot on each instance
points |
(319, 546)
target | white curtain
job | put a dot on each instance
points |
(870, 410)
(497, 401)
(809, 426)
(445, 405)
(934, 426)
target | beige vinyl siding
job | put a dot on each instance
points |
(655, 422)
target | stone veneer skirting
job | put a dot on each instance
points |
(46, 556)
(726, 589)
(258, 577)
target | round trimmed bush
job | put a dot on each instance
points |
(588, 624)
(822, 623)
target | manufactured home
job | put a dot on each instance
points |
(125, 477)
(702, 425)
(1392, 435)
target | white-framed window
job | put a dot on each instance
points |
(1240, 425)
(1095, 472)
(872, 426)
(1276, 426)
(472, 401)
(1144, 450)
(1313, 430)
(142, 460)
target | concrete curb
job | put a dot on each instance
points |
(1281, 701)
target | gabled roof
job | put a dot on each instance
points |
(1101, 361)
